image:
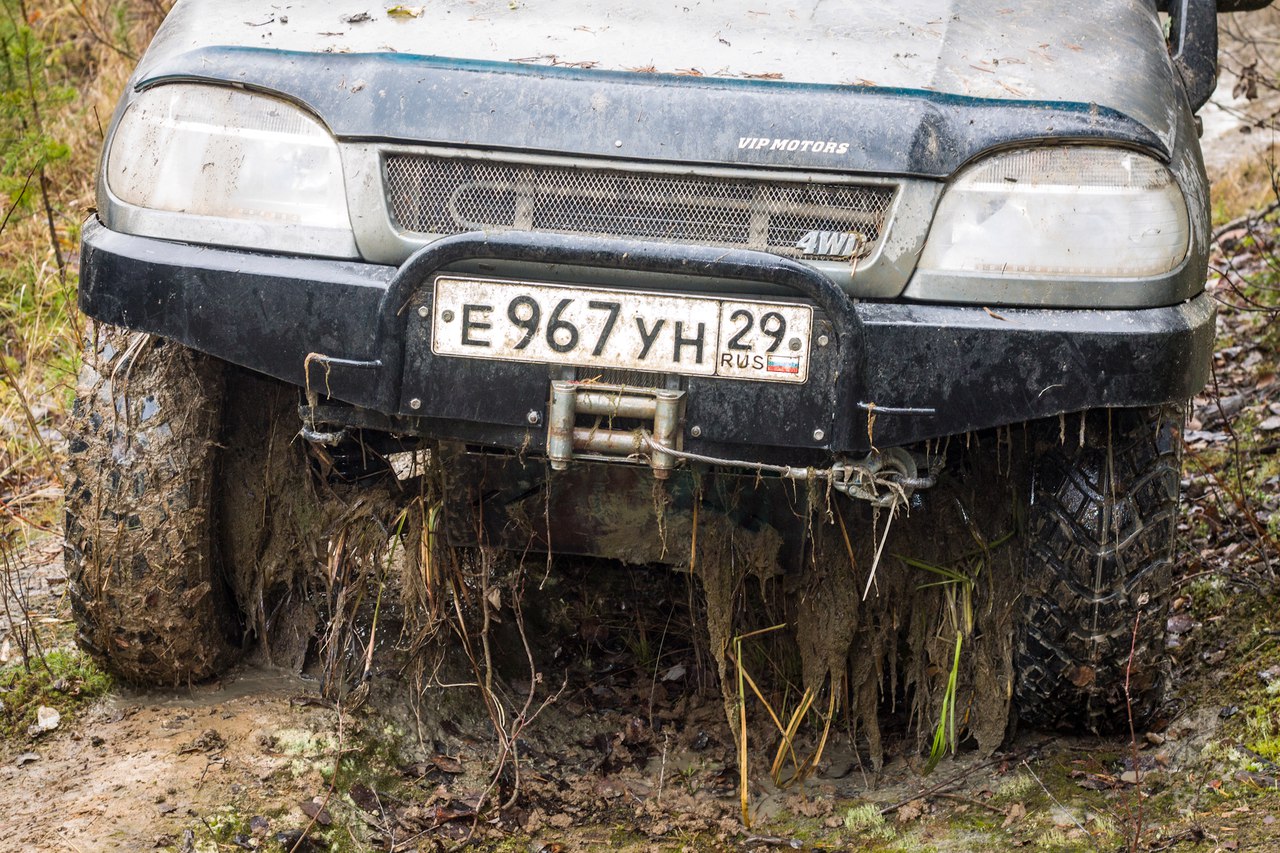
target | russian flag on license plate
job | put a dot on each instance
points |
(783, 364)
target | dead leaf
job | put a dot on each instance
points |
(1098, 782)
(316, 812)
(447, 764)
(365, 797)
(453, 811)
(209, 741)
(1246, 83)
(405, 12)
(1083, 676)
(910, 811)
(608, 789)
(357, 18)
(1015, 812)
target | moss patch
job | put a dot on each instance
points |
(66, 681)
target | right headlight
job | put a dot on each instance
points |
(213, 164)
(1067, 211)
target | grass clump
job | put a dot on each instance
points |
(66, 681)
(866, 823)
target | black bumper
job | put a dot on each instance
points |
(350, 331)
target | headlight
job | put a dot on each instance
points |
(1061, 212)
(229, 167)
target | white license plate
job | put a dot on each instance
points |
(664, 333)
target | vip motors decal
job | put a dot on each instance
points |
(817, 146)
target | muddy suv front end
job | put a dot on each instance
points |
(612, 308)
(807, 296)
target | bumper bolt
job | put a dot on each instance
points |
(424, 311)
(695, 431)
(415, 404)
(823, 340)
(818, 435)
(533, 417)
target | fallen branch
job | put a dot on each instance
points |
(1247, 219)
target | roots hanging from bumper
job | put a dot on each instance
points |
(838, 633)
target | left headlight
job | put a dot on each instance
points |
(1061, 212)
(228, 167)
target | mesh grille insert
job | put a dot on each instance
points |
(441, 195)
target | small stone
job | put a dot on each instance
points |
(47, 719)
(1129, 777)
(1154, 738)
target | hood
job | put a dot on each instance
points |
(909, 86)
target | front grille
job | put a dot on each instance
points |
(443, 195)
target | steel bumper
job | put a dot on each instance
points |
(895, 374)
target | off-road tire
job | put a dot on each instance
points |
(1099, 556)
(142, 440)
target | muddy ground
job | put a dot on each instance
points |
(632, 755)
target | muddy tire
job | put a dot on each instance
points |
(1100, 540)
(142, 439)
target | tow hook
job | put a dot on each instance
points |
(883, 478)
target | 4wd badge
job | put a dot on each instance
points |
(831, 244)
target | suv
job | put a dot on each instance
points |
(605, 267)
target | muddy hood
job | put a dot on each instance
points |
(900, 87)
